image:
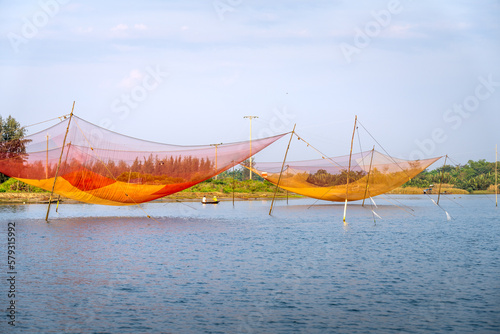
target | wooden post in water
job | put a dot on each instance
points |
(349, 169)
(216, 157)
(59, 163)
(233, 184)
(496, 176)
(47, 159)
(282, 166)
(441, 180)
(368, 176)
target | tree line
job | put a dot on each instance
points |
(474, 175)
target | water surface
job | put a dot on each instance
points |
(225, 269)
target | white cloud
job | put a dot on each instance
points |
(140, 26)
(82, 30)
(402, 31)
(134, 77)
(120, 27)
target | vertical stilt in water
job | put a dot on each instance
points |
(441, 180)
(349, 169)
(47, 159)
(282, 166)
(496, 176)
(233, 184)
(368, 176)
(59, 163)
(287, 190)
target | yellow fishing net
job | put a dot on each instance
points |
(372, 173)
(103, 167)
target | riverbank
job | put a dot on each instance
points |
(41, 198)
(222, 189)
(445, 189)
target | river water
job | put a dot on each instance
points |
(221, 269)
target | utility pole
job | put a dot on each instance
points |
(216, 157)
(250, 118)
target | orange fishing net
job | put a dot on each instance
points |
(103, 167)
(372, 173)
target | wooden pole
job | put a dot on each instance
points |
(47, 159)
(368, 176)
(59, 163)
(349, 169)
(282, 166)
(441, 180)
(496, 176)
(250, 159)
(287, 190)
(233, 185)
(216, 157)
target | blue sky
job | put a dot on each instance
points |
(422, 76)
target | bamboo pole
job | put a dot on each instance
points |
(47, 159)
(441, 180)
(349, 169)
(59, 163)
(250, 159)
(368, 176)
(215, 158)
(233, 184)
(287, 190)
(282, 166)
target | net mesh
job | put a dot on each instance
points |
(103, 167)
(372, 173)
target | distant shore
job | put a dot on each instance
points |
(43, 198)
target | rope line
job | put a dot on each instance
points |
(323, 156)
(384, 198)
(61, 118)
(385, 151)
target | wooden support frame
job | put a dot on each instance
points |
(59, 163)
(282, 166)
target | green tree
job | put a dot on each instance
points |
(12, 144)
(246, 171)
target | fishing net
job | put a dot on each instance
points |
(372, 173)
(103, 167)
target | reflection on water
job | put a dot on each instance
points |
(218, 269)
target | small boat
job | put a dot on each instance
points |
(210, 202)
